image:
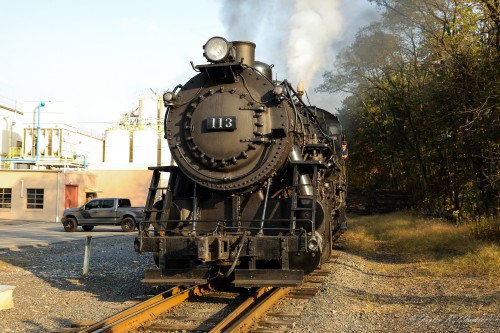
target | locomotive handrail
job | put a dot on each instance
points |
(195, 209)
(265, 206)
(289, 88)
(311, 114)
(221, 223)
(223, 220)
(257, 221)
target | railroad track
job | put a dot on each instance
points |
(203, 309)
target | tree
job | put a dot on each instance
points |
(423, 94)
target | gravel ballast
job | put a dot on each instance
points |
(360, 294)
(51, 292)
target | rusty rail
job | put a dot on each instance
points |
(137, 315)
(240, 320)
(243, 318)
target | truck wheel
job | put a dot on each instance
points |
(87, 227)
(128, 224)
(70, 224)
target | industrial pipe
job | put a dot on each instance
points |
(37, 153)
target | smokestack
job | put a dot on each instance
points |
(245, 52)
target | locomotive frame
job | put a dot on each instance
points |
(258, 195)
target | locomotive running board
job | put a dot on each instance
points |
(268, 277)
(185, 277)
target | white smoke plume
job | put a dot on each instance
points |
(244, 19)
(300, 37)
(263, 22)
(314, 26)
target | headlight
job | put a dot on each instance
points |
(312, 244)
(216, 49)
(278, 90)
(168, 98)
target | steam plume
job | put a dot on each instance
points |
(314, 26)
(299, 35)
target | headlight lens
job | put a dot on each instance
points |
(168, 96)
(216, 49)
(312, 244)
(278, 90)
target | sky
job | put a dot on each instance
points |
(100, 56)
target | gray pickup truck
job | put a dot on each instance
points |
(103, 211)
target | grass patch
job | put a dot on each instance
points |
(441, 247)
(484, 260)
(486, 228)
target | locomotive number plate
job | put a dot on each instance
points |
(221, 123)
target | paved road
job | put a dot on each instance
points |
(15, 235)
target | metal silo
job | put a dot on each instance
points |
(166, 156)
(144, 147)
(165, 159)
(148, 110)
(117, 146)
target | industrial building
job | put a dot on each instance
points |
(47, 165)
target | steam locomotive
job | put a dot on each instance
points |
(258, 193)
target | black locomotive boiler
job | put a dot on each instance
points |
(258, 193)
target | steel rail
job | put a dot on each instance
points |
(242, 319)
(135, 316)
